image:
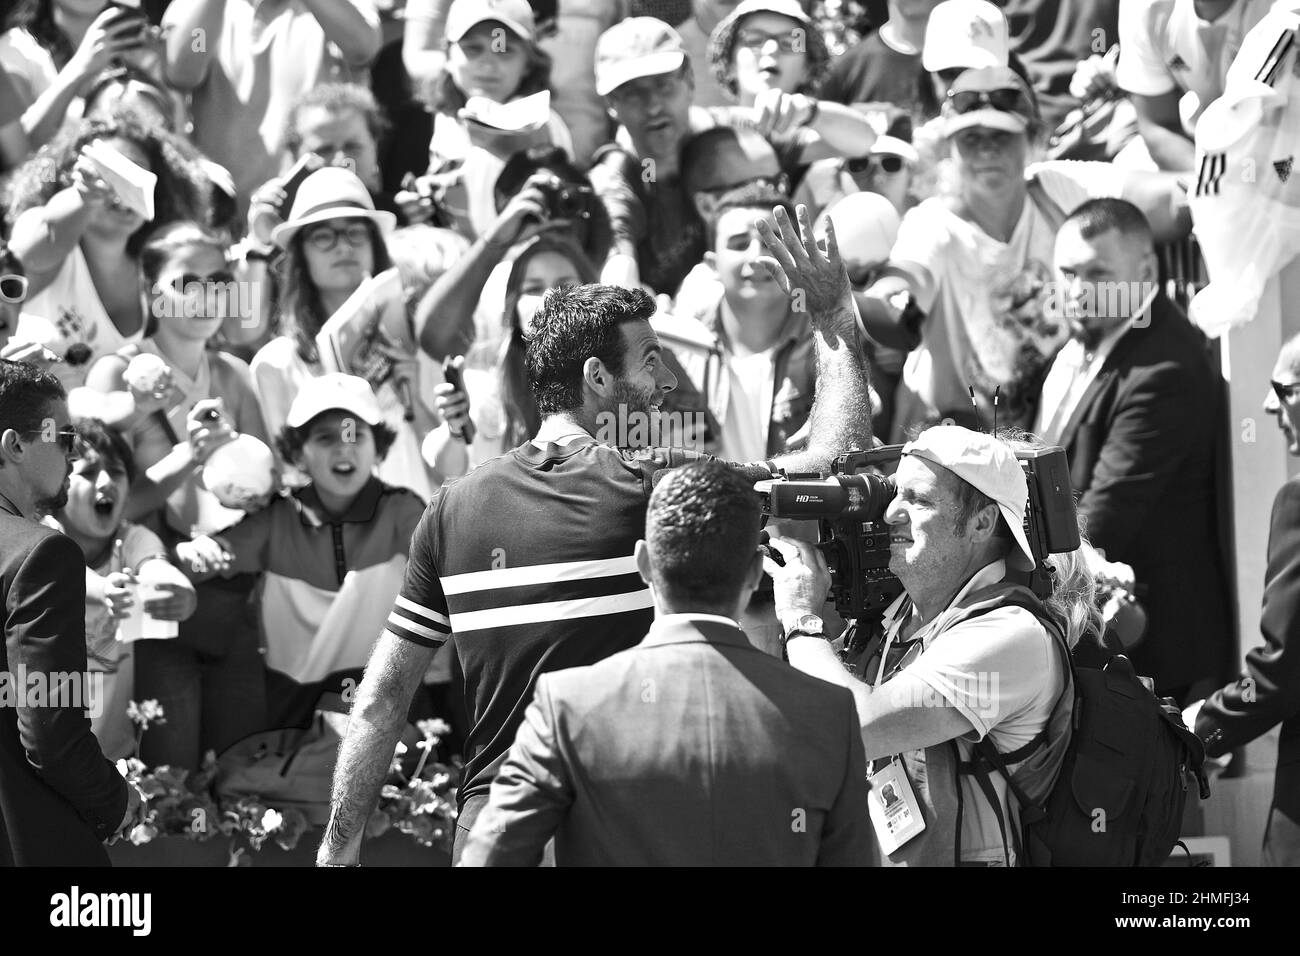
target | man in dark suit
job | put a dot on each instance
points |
(60, 798)
(1134, 401)
(694, 747)
(1268, 693)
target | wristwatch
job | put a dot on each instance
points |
(808, 625)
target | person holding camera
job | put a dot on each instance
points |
(960, 659)
(527, 562)
(603, 756)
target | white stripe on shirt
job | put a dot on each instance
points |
(536, 574)
(551, 611)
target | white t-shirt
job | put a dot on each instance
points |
(749, 408)
(1165, 47)
(32, 69)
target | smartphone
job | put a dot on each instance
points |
(451, 371)
(307, 164)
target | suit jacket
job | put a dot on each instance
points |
(60, 798)
(693, 748)
(1141, 445)
(1268, 693)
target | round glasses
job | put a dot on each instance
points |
(13, 288)
(325, 238)
(792, 42)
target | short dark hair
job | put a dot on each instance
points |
(336, 97)
(1097, 216)
(754, 196)
(107, 443)
(697, 157)
(702, 529)
(26, 393)
(573, 325)
(289, 443)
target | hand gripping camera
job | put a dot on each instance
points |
(854, 538)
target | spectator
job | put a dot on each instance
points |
(598, 771)
(593, 357)
(81, 244)
(962, 35)
(53, 48)
(888, 169)
(968, 269)
(209, 679)
(1266, 693)
(13, 291)
(331, 553)
(492, 54)
(253, 65)
(767, 53)
(115, 551)
(1174, 58)
(884, 67)
(696, 32)
(333, 241)
(496, 397)
(59, 797)
(646, 79)
(1132, 399)
(957, 543)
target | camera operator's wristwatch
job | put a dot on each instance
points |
(808, 625)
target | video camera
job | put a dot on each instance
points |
(850, 506)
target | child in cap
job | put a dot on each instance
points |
(331, 553)
(116, 552)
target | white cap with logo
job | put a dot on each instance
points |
(965, 34)
(987, 464)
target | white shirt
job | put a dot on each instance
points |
(1165, 46)
(749, 409)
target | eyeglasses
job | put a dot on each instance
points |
(65, 436)
(13, 288)
(779, 183)
(325, 238)
(1004, 101)
(792, 42)
(863, 164)
(1285, 393)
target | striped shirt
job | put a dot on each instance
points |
(528, 562)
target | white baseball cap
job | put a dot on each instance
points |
(969, 34)
(334, 390)
(989, 465)
(866, 225)
(514, 15)
(636, 47)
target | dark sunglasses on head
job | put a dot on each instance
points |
(13, 288)
(1004, 101)
(863, 164)
(65, 436)
(1285, 393)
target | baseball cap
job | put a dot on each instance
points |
(894, 146)
(987, 464)
(866, 226)
(995, 97)
(969, 34)
(636, 47)
(786, 8)
(334, 390)
(515, 15)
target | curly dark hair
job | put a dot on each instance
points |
(107, 443)
(572, 326)
(722, 56)
(184, 190)
(701, 525)
(300, 312)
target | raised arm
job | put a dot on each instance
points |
(351, 25)
(818, 282)
(192, 40)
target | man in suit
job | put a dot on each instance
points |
(694, 747)
(60, 798)
(1268, 693)
(1134, 401)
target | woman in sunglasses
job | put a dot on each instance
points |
(81, 242)
(966, 277)
(771, 57)
(333, 241)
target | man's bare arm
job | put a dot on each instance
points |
(817, 281)
(378, 716)
(1161, 127)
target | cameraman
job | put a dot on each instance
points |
(959, 663)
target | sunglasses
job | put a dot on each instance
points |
(183, 283)
(13, 288)
(1285, 393)
(778, 183)
(65, 436)
(863, 164)
(325, 238)
(792, 42)
(1004, 101)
